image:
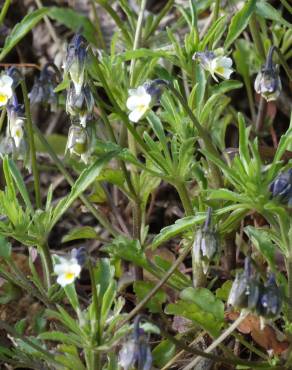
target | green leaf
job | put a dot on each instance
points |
(200, 306)
(215, 30)
(84, 180)
(5, 247)
(163, 353)
(267, 11)
(21, 29)
(226, 86)
(72, 296)
(83, 232)
(243, 142)
(107, 301)
(225, 194)
(75, 21)
(262, 241)
(223, 292)
(61, 337)
(142, 288)
(127, 249)
(206, 300)
(184, 224)
(20, 183)
(239, 22)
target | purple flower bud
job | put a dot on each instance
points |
(281, 187)
(75, 61)
(43, 89)
(80, 104)
(270, 301)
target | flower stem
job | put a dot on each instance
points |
(284, 63)
(255, 32)
(261, 114)
(4, 10)
(46, 263)
(31, 145)
(184, 197)
(98, 215)
(95, 321)
(289, 273)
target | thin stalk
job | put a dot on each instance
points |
(255, 32)
(99, 35)
(46, 263)
(250, 98)
(98, 215)
(137, 38)
(184, 197)
(234, 361)
(49, 25)
(284, 63)
(146, 299)
(4, 10)
(219, 340)
(158, 18)
(2, 118)
(261, 114)
(289, 273)
(287, 6)
(96, 329)
(34, 166)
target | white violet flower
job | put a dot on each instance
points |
(139, 102)
(67, 269)
(217, 65)
(16, 132)
(5, 89)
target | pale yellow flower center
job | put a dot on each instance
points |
(3, 98)
(69, 275)
(220, 70)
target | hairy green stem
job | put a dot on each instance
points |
(4, 10)
(98, 215)
(255, 32)
(32, 149)
(47, 263)
(184, 197)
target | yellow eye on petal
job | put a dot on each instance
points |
(220, 70)
(69, 275)
(3, 99)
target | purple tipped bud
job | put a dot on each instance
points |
(281, 187)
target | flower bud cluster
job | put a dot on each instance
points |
(79, 102)
(267, 82)
(281, 187)
(206, 243)
(43, 87)
(135, 352)
(249, 292)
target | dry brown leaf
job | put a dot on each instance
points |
(266, 337)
